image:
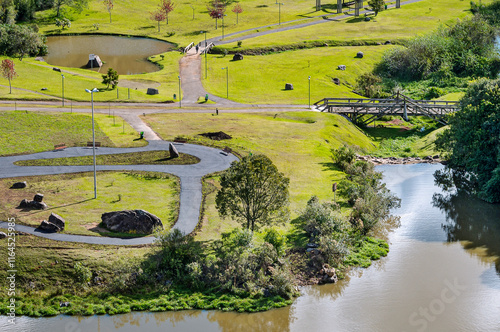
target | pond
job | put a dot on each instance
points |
(126, 55)
(442, 274)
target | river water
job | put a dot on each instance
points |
(125, 55)
(442, 274)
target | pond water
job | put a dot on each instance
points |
(125, 55)
(442, 274)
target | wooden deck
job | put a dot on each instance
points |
(365, 111)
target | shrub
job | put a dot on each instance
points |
(277, 240)
(82, 273)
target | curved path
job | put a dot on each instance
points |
(211, 160)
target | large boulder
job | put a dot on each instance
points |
(57, 220)
(32, 205)
(131, 221)
(48, 227)
(288, 86)
(173, 151)
(237, 57)
(19, 185)
(152, 91)
(38, 198)
(3, 235)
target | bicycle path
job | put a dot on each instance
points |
(211, 160)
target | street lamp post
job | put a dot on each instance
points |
(180, 98)
(206, 66)
(223, 26)
(93, 136)
(279, 12)
(227, 81)
(62, 75)
(309, 91)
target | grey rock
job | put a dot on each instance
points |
(368, 19)
(359, 55)
(388, 42)
(44, 89)
(48, 226)
(288, 86)
(341, 67)
(3, 235)
(19, 185)
(64, 304)
(435, 157)
(152, 91)
(173, 151)
(137, 221)
(312, 245)
(27, 204)
(57, 220)
(237, 57)
(336, 81)
(428, 158)
(38, 198)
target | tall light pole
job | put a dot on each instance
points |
(180, 98)
(309, 91)
(93, 136)
(227, 81)
(223, 25)
(206, 66)
(279, 12)
(62, 75)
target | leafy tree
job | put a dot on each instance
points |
(253, 191)
(216, 10)
(8, 71)
(111, 78)
(238, 10)
(109, 7)
(7, 12)
(25, 10)
(376, 5)
(18, 41)
(158, 16)
(63, 23)
(473, 142)
(77, 5)
(166, 7)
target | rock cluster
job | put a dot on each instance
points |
(131, 221)
(329, 275)
(35, 204)
(401, 161)
(55, 224)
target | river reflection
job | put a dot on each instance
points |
(439, 275)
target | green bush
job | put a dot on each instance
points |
(82, 273)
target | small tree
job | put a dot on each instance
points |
(376, 5)
(109, 6)
(111, 78)
(238, 10)
(158, 16)
(166, 7)
(216, 9)
(63, 23)
(8, 71)
(253, 191)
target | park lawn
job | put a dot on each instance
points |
(72, 197)
(34, 75)
(23, 132)
(20, 94)
(392, 24)
(298, 143)
(262, 79)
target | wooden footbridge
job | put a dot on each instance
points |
(364, 111)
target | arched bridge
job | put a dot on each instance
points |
(365, 111)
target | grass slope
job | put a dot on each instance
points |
(71, 197)
(29, 132)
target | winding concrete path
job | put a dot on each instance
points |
(211, 160)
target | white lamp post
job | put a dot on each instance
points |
(93, 136)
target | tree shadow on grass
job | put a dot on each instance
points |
(33, 211)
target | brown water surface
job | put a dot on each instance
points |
(442, 274)
(126, 55)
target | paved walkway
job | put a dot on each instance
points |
(211, 160)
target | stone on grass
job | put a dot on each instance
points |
(3, 235)
(38, 198)
(48, 227)
(33, 205)
(152, 91)
(288, 86)
(57, 220)
(237, 56)
(131, 221)
(173, 151)
(336, 80)
(341, 67)
(359, 55)
(19, 185)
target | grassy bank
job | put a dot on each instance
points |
(30, 132)
(71, 197)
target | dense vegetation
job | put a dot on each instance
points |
(473, 143)
(20, 41)
(439, 62)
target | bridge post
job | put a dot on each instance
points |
(339, 6)
(398, 3)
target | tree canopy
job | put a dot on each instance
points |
(253, 191)
(473, 142)
(19, 41)
(111, 78)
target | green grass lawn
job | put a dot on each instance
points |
(262, 79)
(298, 143)
(133, 158)
(29, 132)
(393, 24)
(72, 197)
